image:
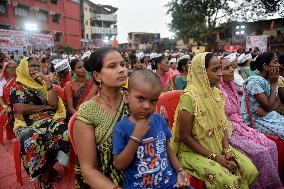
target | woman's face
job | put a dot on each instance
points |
(164, 65)
(272, 63)
(185, 67)
(80, 69)
(11, 69)
(146, 59)
(214, 71)
(227, 70)
(137, 65)
(34, 67)
(114, 71)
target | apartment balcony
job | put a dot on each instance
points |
(101, 30)
(105, 17)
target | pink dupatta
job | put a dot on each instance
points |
(233, 112)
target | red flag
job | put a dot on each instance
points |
(272, 24)
(217, 36)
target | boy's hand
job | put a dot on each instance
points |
(141, 128)
(182, 179)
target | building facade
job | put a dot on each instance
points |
(143, 40)
(98, 23)
(233, 37)
(59, 18)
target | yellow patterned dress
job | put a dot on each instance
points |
(92, 114)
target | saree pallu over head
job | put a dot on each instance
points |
(210, 119)
(24, 77)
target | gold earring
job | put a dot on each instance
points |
(100, 83)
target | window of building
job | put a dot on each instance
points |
(57, 36)
(5, 27)
(45, 32)
(86, 8)
(56, 18)
(44, 1)
(86, 22)
(21, 11)
(91, 10)
(54, 2)
(41, 15)
(3, 8)
(87, 36)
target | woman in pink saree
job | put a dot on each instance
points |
(261, 150)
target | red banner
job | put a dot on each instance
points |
(231, 48)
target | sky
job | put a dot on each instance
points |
(140, 16)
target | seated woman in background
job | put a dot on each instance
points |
(261, 96)
(7, 79)
(201, 131)
(39, 126)
(261, 150)
(80, 89)
(162, 67)
(181, 79)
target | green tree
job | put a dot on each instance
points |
(251, 10)
(199, 18)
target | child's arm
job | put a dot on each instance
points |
(173, 159)
(125, 157)
(182, 175)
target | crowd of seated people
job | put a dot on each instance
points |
(227, 108)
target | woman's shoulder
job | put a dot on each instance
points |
(256, 80)
(90, 104)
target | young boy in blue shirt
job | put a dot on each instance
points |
(141, 140)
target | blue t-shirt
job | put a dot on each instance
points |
(150, 167)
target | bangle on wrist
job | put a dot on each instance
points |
(226, 150)
(212, 156)
(136, 140)
(179, 170)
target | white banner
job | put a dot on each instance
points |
(11, 40)
(259, 41)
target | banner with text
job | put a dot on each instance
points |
(11, 40)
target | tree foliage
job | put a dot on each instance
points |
(199, 18)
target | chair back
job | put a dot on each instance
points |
(167, 105)
(70, 131)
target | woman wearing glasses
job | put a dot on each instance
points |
(39, 126)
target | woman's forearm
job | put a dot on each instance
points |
(70, 106)
(52, 98)
(225, 142)
(198, 148)
(21, 108)
(100, 181)
(52, 95)
(1, 101)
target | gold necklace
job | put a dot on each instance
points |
(104, 101)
